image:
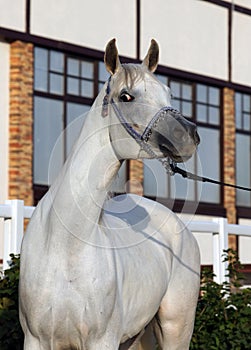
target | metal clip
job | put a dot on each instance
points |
(104, 112)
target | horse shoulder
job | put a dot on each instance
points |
(150, 221)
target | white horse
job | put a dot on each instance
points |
(95, 272)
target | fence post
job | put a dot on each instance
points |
(220, 243)
(13, 230)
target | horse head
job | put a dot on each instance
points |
(142, 111)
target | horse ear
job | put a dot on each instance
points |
(111, 59)
(152, 58)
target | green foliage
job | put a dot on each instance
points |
(11, 335)
(223, 312)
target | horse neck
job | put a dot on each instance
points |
(81, 189)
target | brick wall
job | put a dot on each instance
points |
(229, 153)
(136, 174)
(229, 159)
(20, 122)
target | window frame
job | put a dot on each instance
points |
(242, 211)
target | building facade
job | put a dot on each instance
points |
(51, 69)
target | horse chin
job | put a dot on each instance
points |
(176, 157)
(180, 159)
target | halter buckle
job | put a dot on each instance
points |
(105, 104)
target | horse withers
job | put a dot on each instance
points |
(95, 272)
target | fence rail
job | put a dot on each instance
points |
(14, 212)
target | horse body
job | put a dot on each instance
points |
(95, 272)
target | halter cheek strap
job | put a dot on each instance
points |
(105, 104)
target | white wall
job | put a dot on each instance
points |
(87, 23)
(241, 69)
(12, 14)
(4, 128)
(193, 35)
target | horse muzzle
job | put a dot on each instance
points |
(175, 136)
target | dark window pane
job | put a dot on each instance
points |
(41, 80)
(176, 104)
(201, 93)
(246, 122)
(175, 89)
(103, 75)
(87, 70)
(155, 179)
(48, 126)
(214, 115)
(180, 187)
(243, 166)
(246, 103)
(187, 91)
(73, 67)
(187, 108)
(87, 88)
(201, 113)
(41, 59)
(210, 165)
(100, 86)
(56, 61)
(41, 70)
(238, 111)
(214, 96)
(56, 84)
(73, 86)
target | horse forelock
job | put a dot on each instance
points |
(128, 76)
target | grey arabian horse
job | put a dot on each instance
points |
(96, 272)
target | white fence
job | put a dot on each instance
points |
(14, 212)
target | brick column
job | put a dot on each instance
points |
(136, 175)
(229, 159)
(20, 122)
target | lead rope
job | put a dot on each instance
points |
(191, 176)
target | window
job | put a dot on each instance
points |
(243, 146)
(64, 88)
(80, 76)
(201, 104)
(207, 117)
(182, 97)
(49, 71)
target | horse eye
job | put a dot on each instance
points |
(126, 97)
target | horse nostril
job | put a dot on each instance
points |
(196, 137)
(194, 134)
(178, 133)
